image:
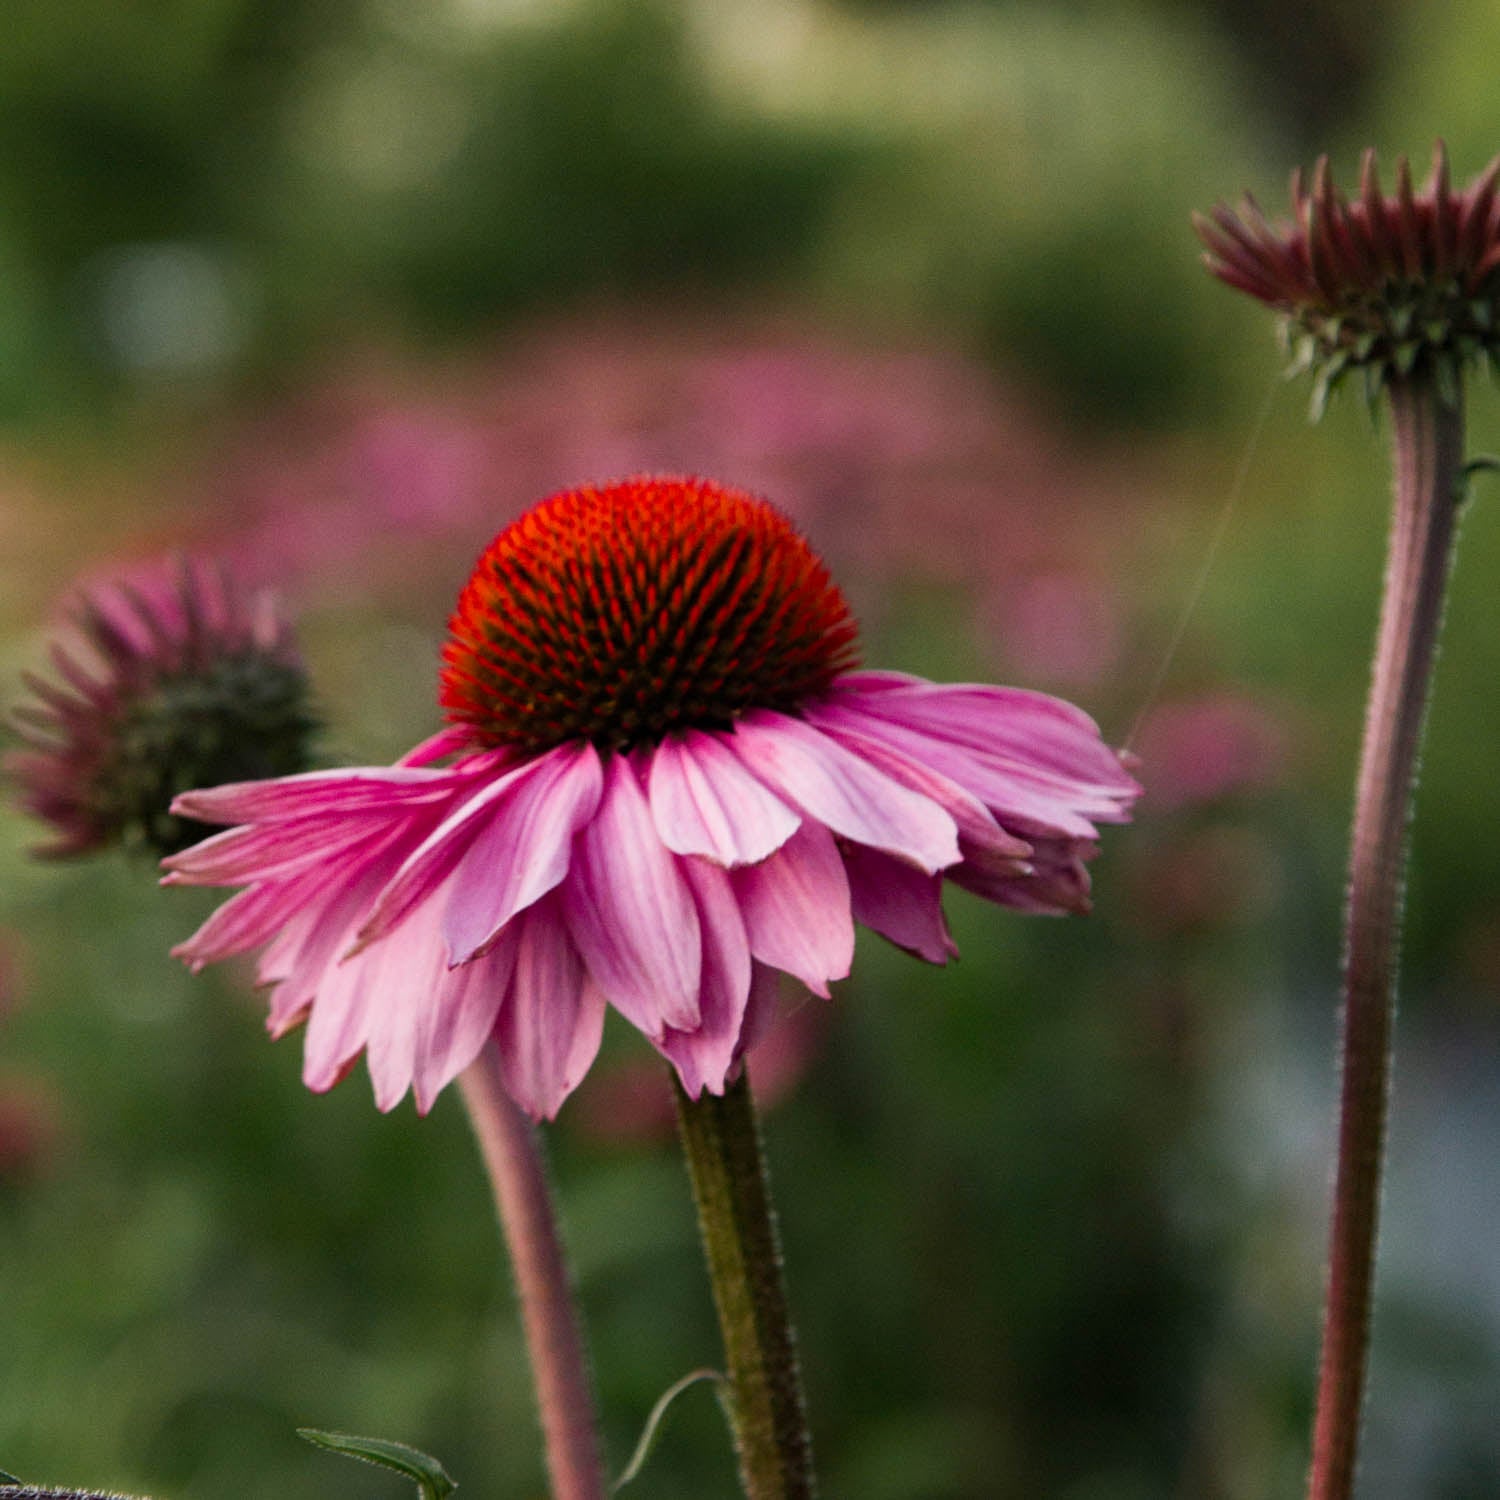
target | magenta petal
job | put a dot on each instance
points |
(631, 913)
(843, 792)
(899, 902)
(796, 909)
(433, 860)
(1014, 794)
(371, 788)
(1044, 736)
(259, 851)
(705, 802)
(549, 1026)
(465, 1003)
(975, 823)
(1056, 884)
(703, 1057)
(245, 921)
(523, 848)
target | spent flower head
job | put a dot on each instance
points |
(1402, 285)
(665, 785)
(173, 681)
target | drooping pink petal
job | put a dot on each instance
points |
(631, 913)
(703, 1057)
(899, 902)
(374, 788)
(248, 919)
(263, 851)
(514, 875)
(1031, 734)
(549, 1026)
(843, 792)
(705, 802)
(523, 848)
(975, 823)
(1011, 793)
(466, 1003)
(796, 909)
(1056, 885)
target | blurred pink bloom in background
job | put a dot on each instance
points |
(1203, 749)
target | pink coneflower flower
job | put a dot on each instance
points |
(665, 783)
(1392, 286)
(180, 682)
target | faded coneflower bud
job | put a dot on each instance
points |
(179, 683)
(1400, 286)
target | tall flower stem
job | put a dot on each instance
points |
(721, 1139)
(512, 1156)
(1427, 439)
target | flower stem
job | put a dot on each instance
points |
(513, 1158)
(1427, 442)
(721, 1140)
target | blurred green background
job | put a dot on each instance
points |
(336, 288)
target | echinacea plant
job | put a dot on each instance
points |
(663, 784)
(1405, 289)
(175, 680)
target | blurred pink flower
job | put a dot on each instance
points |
(625, 1101)
(175, 681)
(1210, 747)
(668, 785)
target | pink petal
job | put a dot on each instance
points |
(975, 823)
(796, 909)
(436, 858)
(466, 1003)
(899, 903)
(523, 848)
(370, 788)
(1013, 794)
(705, 802)
(260, 851)
(704, 1057)
(631, 912)
(1021, 731)
(245, 921)
(843, 792)
(1057, 884)
(550, 1024)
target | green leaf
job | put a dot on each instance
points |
(8, 1478)
(433, 1481)
(653, 1422)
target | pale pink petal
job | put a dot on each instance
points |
(262, 851)
(1013, 795)
(1045, 737)
(466, 1004)
(523, 847)
(843, 792)
(704, 1056)
(796, 909)
(431, 863)
(975, 823)
(762, 1008)
(705, 802)
(248, 919)
(631, 913)
(371, 788)
(550, 1023)
(899, 902)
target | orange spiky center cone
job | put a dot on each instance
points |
(620, 613)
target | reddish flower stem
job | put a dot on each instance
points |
(1427, 441)
(721, 1140)
(564, 1394)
